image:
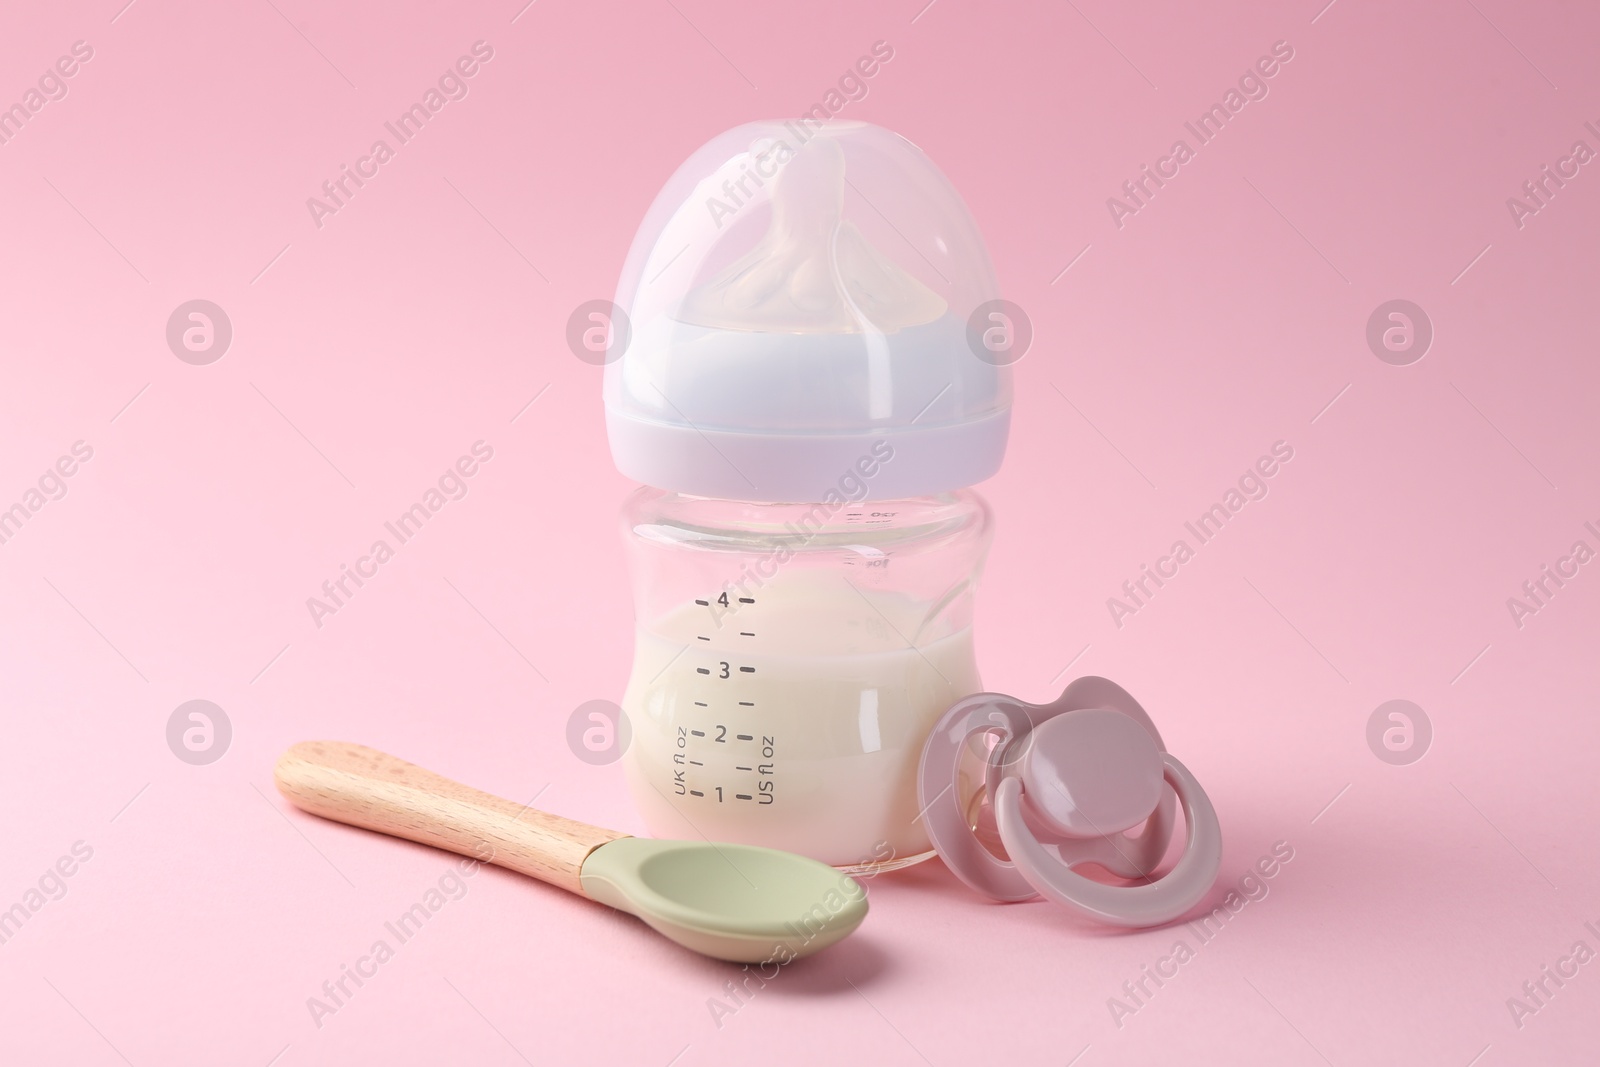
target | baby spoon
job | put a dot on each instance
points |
(732, 902)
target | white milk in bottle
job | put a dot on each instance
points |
(798, 725)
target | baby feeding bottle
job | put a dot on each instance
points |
(802, 401)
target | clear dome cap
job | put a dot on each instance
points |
(801, 302)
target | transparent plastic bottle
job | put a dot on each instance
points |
(803, 393)
(790, 661)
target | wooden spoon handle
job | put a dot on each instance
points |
(363, 787)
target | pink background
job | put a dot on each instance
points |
(1226, 315)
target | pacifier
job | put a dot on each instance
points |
(1017, 795)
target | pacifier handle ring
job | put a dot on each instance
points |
(1142, 905)
(1128, 856)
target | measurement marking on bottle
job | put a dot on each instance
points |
(746, 633)
(703, 603)
(747, 670)
(747, 600)
(702, 670)
(698, 733)
(696, 763)
(703, 638)
(743, 796)
(747, 703)
(699, 703)
(744, 768)
(696, 793)
(744, 737)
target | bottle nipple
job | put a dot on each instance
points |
(813, 271)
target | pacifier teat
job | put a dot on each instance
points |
(1060, 787)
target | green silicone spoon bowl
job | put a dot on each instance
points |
(734, 902)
